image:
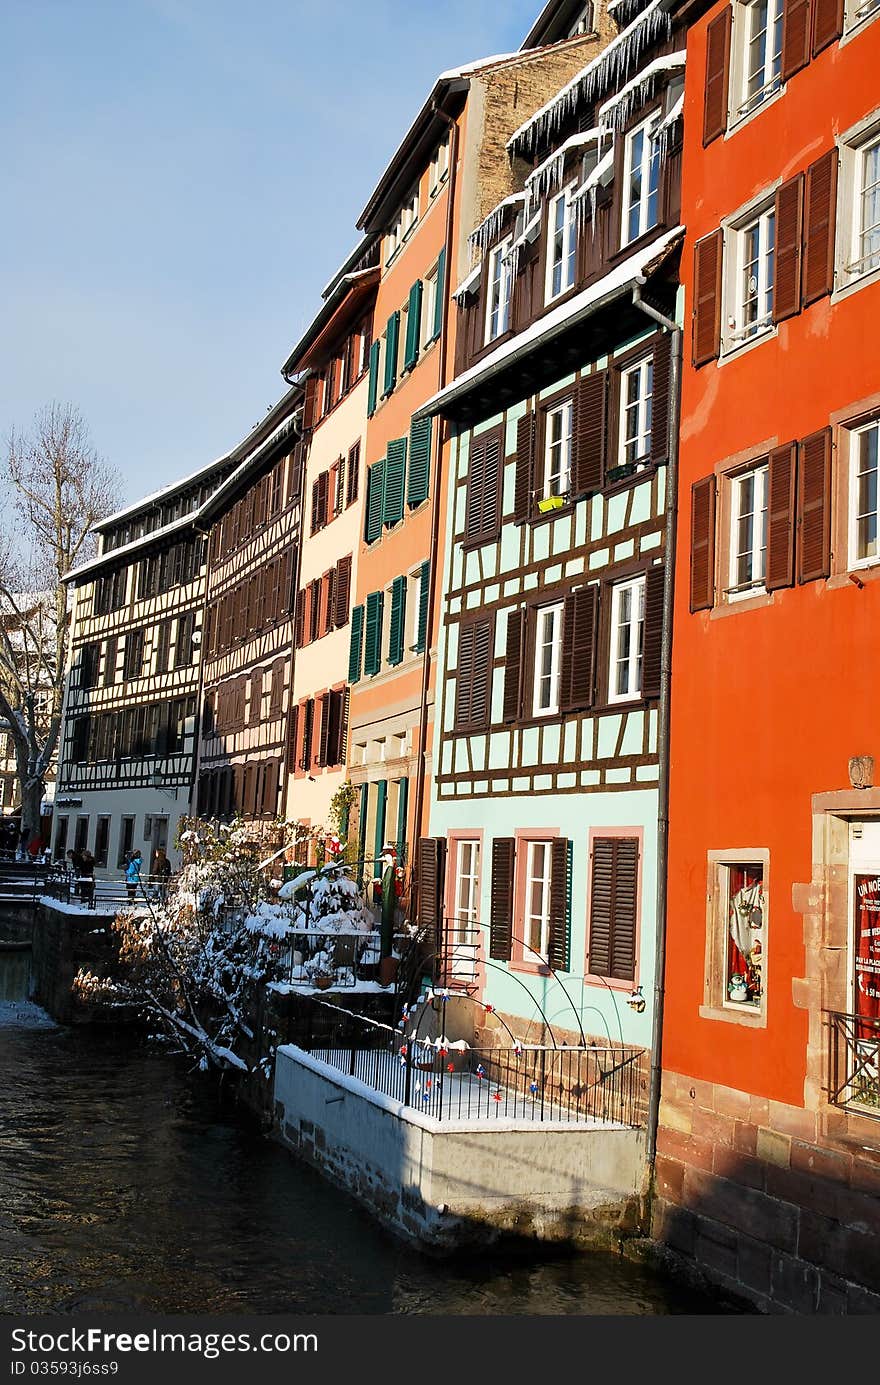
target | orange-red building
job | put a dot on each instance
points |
(768, 1166)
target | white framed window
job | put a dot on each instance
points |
(864, 445)
(429, 307)
(394, 238)
(757, 55)
(582, 23)
(627, 640)
(860, 208)
(636, 397)
(410, 214)
(548, 650)
(641, 181)
(749, 271)
(557, 449)
(467, 881)
(748, 533)
(439, 170)
(500, 283)
(561, 245)
(858, 12)
(537, 901)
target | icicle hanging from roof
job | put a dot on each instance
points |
(546, 178)
(528, 232)
(587, 194)
(664, 133)
(616, 111)
(489, 228)
(623, 12)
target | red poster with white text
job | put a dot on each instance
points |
(867, 950)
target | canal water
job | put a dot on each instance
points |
(126, 1184)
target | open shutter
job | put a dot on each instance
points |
(703, 544)
(355, 653)
(397, 620)
(310, 402)
(501, 907)
(795, 36)
(392, 333)
(660, 399)
(481, 688)
(373, 385)
(559, 941)
(827, 23)
(613, 907)
(789, 235)
(381, 812)
(781, 493)
(513, 665)
(300, 618)
(475, 484)
(342, 598)
(653, 632)
(814, 507)
(589, 433)
(525, 468)
(430, 874)
(402, 805)
(464, 675)
(373, 633)
(440, 299)
(353, 474)
(717, 76)
(419, 461)
(413, 324)
(820, 200)
(579, 648)
(707, 298)
(424, 592)
(395, 471)
(322, 717)
(375, 501)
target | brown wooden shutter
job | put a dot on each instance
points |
(310, 406)
(653, 632)
(613, 907)
(430, 871)
(256, 696)
(464, 675)
(501, 907)
(294, 472)
(660, 399)
(703, 544)
(820, 202)
(589, 433)
(475, 483)
(559, 939)
(579, 624)
(323, 484)
(707, 298)
(493, 471)
(516, 629)
(525, 469)
(323, 722)
(717, 76)
(827, 23)
(481, 677)
(270, 789)
(789, 234)
(342, 599)
(300, 618)
(781, 495)
(795, 36)
(354, 467)
(814, 506)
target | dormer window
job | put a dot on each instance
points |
(641, 181)
(561, 245)
(500, 281)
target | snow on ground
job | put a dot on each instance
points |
(23, 1014)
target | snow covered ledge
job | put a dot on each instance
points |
(445, 1184)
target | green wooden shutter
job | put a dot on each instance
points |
(397, 620)
(395, 473)
(402, 805)
(419, 461)
(357, 644)
(392, 333)
(413, 323)
(362, 825)
(373, 634)
(381, 806)
(373, 387)
(375, 501)
(441, 290)
(424, 581)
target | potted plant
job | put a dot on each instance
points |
(323, 980)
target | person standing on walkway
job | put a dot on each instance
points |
(133, 873)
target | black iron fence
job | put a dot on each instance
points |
(854, 1063)
(338, 960)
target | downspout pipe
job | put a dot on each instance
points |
(675, 341)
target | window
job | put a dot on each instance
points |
(467, 881)
(861, 209)
(748, 532)
(864, 447)
(537, 910)
(561, 245)
(750, 278)
(183, 646)
(133, 662)
(558, 450)
(614, 899)
(102, 840)
(858, 12)
(429, 307)
(500, 280)
(636, 397)
(439, 170)
(742, 896)
(548, 648)
(641, 181)
(627, 640)
(760, 53)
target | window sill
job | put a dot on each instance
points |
(734, 126)
(630, 247)
(479, 541)
(529, 968)
(856, 282)
(858, 28)
(730, 352)
(758, 1020)
(743, 603)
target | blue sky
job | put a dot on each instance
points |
(181, 179)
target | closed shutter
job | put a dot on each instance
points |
(291, 738)
(660, 400)
(355, 653)
(703, 544)
(814, 507)
(256, 709)
(395, 471)
(373, 385)
(781, 493)
(490, 516)
(270, 789)
(397, 620)
(513, 661)
(402, 805)
(413, 323)
(578, 649)
(343, 591)
(300, 619)
(481, 685)
(501, 907)
(424, 593)
(464, 676)
(353, 477)
(613, 907)
(276, 696)
(322, 722)
(707, 298)
(653, 632)
(795, 36)
(419, 461)
(314, 608)
(820, 201)
(789, 231)
(589, 433)
(392, 333)
(827, 23)
(559, 941)
(294, 472)
(430, 874)
(525, 468)
(373, 633)
(375, 501)
(439, 301)
(717, 76)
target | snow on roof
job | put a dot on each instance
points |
(154, 496)
(454, 72)
(488, 229)
(126, 549)
(637, 90)
(610, 286)
(470, 282)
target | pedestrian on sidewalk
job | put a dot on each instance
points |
(133, 874)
